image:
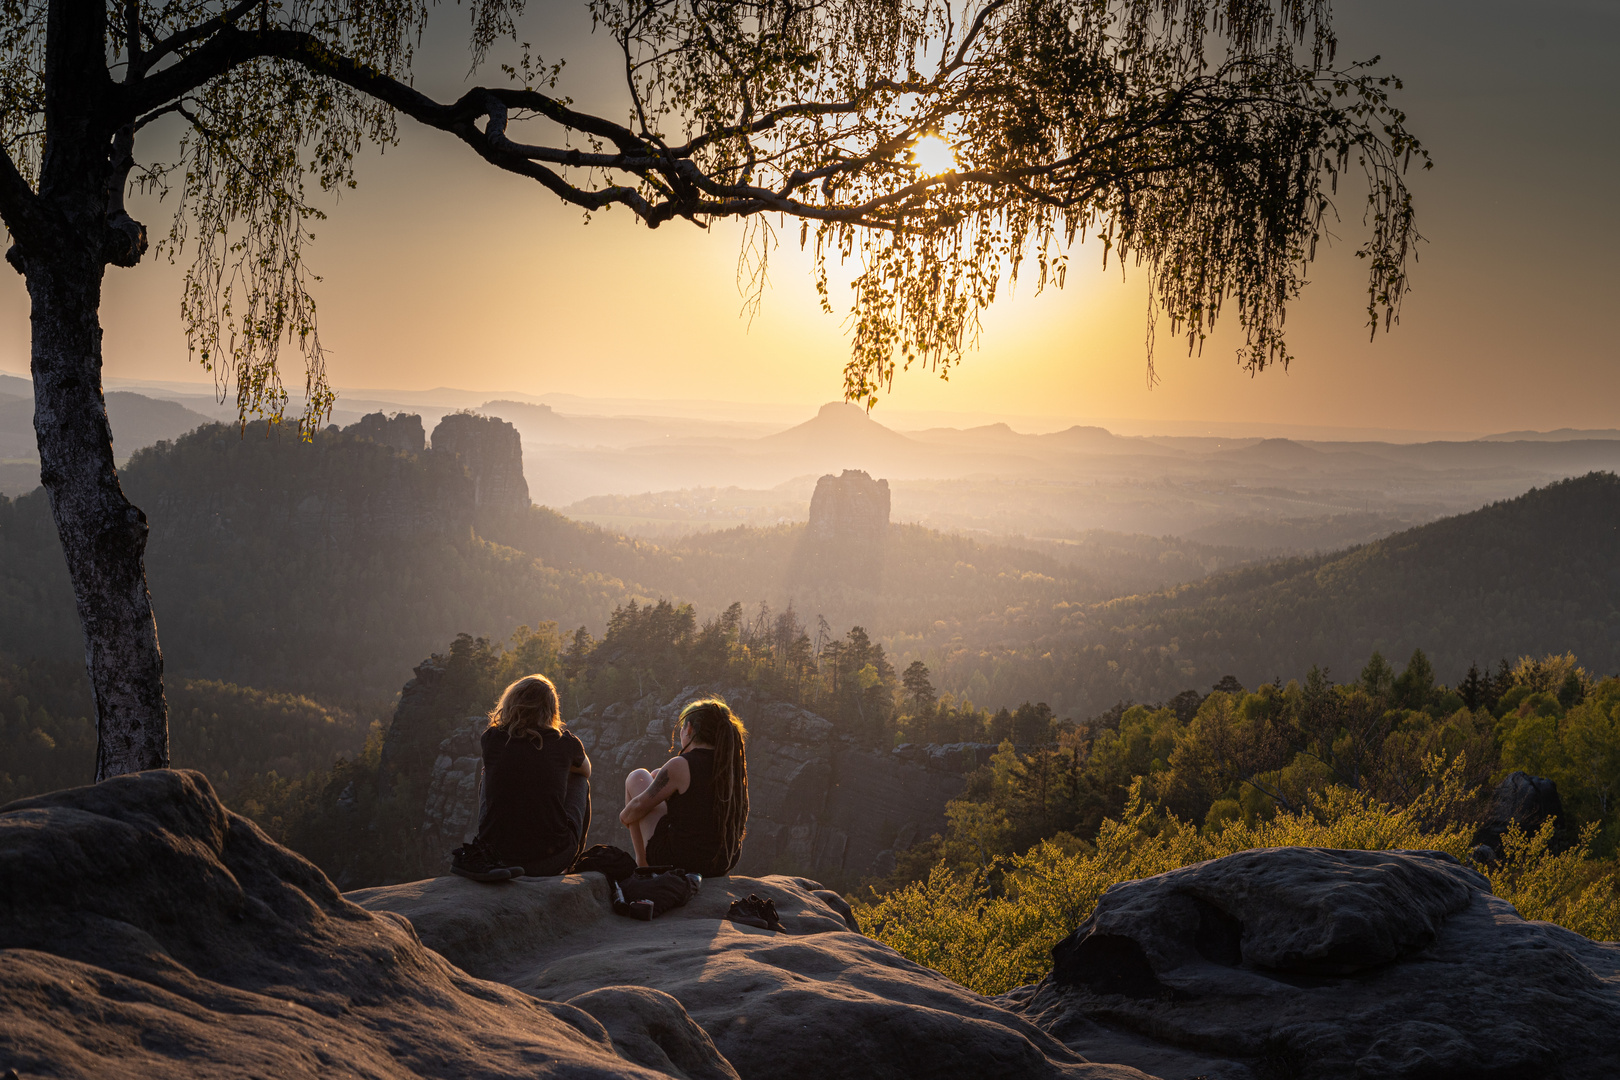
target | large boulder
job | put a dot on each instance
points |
(1523, 800)
(1309, 963)
(146, 931)
(814, 1002)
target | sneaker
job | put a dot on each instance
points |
(756, 910)
(476, 862)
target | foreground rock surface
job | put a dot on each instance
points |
(1306, 963)
(815, 1002)
(146, 931)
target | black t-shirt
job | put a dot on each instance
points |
(524, 787)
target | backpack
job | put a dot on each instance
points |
(653, 890)
(615, 864)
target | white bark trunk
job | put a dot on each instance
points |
(103, 535)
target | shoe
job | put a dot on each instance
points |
(476, 862)
(756, 910)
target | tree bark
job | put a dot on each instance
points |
(103, 535)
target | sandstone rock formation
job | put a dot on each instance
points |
(1308, 963)
(820, 805)
(146, 931)
(845, 538)
(402, 431)
(852, 507)
(813, 1003)
(1523, 799)
(492, 452)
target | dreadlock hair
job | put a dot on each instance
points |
(713, 722)
(525, 707)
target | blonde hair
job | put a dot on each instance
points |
(713, 722)
(525, 707)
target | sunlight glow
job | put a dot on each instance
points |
(933, 155)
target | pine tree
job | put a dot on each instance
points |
(919, 687)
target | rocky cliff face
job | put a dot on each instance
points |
(402, 431)
(845, 538)
(852, 508)
(819, 805)
(492, 452)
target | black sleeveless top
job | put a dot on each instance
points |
(523, 816)
(688, 835)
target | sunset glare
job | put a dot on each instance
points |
(895, 538)
(933, 155)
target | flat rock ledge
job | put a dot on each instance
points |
(1309, 963)
(147, 931)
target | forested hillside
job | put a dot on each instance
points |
(330, 567)
(1536, 574)
(240, 737)
(327, 567)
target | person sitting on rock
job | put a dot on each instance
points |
(693, 812)
(536, 806)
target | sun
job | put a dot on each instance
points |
(933, 155)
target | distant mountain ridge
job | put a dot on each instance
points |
(839, 424)
(137, 421)
(1558, 435)
(1531, 575)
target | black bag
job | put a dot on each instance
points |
(615, 863)
(756, 910)
(653, 890)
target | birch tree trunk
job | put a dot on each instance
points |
(103, 535)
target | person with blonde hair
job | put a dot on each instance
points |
(536, 806)
(693, 813)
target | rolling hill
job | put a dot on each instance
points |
(335, 566)
(1531, 575)
(137, 421)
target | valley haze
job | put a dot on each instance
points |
(663, 469)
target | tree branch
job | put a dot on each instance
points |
(181, 38)
(132, 34)
(23, 212)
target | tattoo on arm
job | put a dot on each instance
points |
(660, 778)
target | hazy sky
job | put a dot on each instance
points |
(441, 271)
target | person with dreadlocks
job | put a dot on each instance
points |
(535, 808)
(693, 812)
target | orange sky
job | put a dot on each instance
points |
(441, 271)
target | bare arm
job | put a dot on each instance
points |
(673, 778)
(583, 768)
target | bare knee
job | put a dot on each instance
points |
(636, 783)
